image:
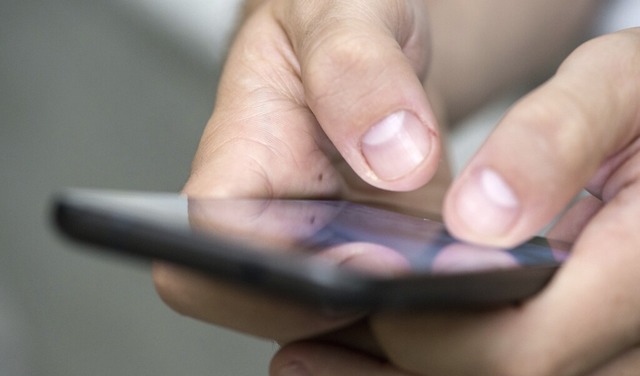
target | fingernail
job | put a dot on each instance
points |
(486, 204)
(396, 145)
(293, 369)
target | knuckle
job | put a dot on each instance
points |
(626, 40)
(338, 55)
(558, 131)
(609, 61)
(343, 61)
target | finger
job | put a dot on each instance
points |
(626, 174)
(626, 364)
(585, 318)
(361, 64)
(314, 359)
(550, 144)
(604, 184)
(357, 337)
(571, 224)
(198, 296)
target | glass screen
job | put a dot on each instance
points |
(336, 232)
(361, 237)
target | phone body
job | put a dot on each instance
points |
(329, 254)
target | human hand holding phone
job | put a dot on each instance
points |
(330, 256)
(293, 108)
(278, 137)
(579, 129)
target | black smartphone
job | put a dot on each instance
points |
(329, 254)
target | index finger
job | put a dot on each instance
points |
(550, 144)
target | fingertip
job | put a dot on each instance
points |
(482, 207)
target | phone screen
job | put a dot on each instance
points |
(310, 239)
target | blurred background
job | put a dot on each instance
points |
(102, 94)
(110, 94)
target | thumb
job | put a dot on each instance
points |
(361, 65)
(313, 359)
(551, 144)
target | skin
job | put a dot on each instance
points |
(304, 85)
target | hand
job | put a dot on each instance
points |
(315, 101)
(579, 129)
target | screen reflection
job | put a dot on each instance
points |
(360, 237)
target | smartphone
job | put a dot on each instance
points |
(324, 253)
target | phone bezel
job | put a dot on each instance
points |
(290, 277)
